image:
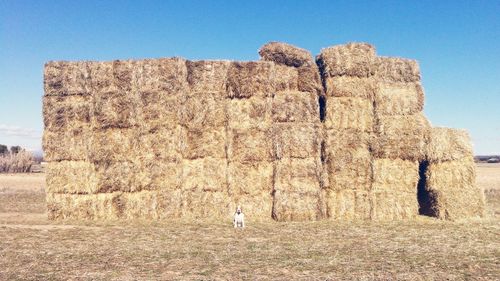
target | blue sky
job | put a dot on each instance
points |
(456, 42)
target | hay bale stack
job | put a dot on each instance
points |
(451, 176)
(296, 138)
(347, 72)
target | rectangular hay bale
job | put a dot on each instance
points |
(250, 145)
(204, 175)
(349, 113)
(347, 204)
(395, 175)
(292, 206)
(73, 144)
(291, 140)
(168, 76)
(353, 59)
(254, 112)
(295, 107)
(294, 175)
(64, 78)
(394, 69)
(401, 136)
(447, 144)
(203, 110)
(114, 145)
(247, 79)
(350, 87)
(62, 113)
(71, 177)
(207, 76)
(399, 98)
(250, 179)
(210, 142)
(390, 205)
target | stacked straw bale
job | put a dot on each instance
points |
(295, 134)
(347, 72)
(451, 178)
(287, 138)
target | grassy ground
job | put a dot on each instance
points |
(33, 248)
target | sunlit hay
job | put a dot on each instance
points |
(85, 206)
(204, 175)
(293, 206)
(126, 176)
(115, 108)
(452, 188)
(114, 145)
(347, 204)
(166, 75)
(63, 78)
(250, 179)
(296, 140)
(285, 54)
(250, 145)
(73, 144)
(353, 59)
(254, 112)
(309, 80)
(203, 111)
(350, 87)
(395, 175)
(76, 177)
(348, 160)
(399, 98)
(66, 112)
(349, 113)
(163, 144)
(159, 110)
(247, 79)
(295, 107)
(397, 69)
(390, 205)
(204, 143)
(158, 174)
(206, 206)
(401, 136)
(447, 144)
(207, 76)
(285, 78)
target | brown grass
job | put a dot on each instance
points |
(33, 248)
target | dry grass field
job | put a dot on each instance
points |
(33, 248)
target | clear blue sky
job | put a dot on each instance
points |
(456, 42)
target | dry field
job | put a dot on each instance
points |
(33, 248)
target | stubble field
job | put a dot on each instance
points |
(34, 248)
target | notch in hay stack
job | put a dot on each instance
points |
(449, 184)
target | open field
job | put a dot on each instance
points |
(33, 248)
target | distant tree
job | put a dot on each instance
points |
(3, 149)
(15, 149)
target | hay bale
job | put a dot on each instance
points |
(63, 78)
(250, 145)
(73, 144)
(114, 145)
(292, 206)
(163, 144)
(206, 206)
(401, 136)
(204, 175)
(390, 205)
(348, 160)
(207, 76)
(159, 110)
(397, 69)
(285, 54)
(250, 179)
(124, 176)
(309, 80)
(349, 113)
(291, 140)
(84, 206)
(293, 175)
(161, 175)
(295, 107)
(353, 59)
(62, 113)
(202, 111)
(348, 204)
(168, 76)
(204, 143)
(254, 112)
(285, 78)
(115, 108)
(446, 144)
(350, 87)
(75, 177)
(399, 98)
(247, 79)
(395, 175)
